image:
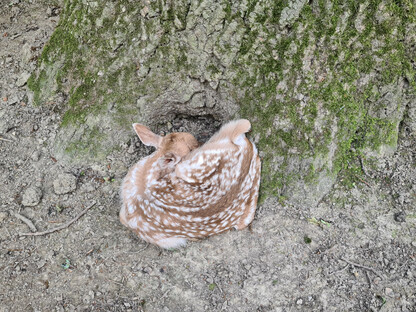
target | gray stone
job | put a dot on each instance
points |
(3, 216)
(21, 81)
(26, 52)
(389, 291)
(4, 123)
(65, 183)
(32, 196)
(400, 216)
(198, 101)
(13, 99)
(35, 156)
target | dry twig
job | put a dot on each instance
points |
(362, 267)
(164, 295)
(339, 271)
(25, 220)
(63, 226)
(366, 183)
(27, 159)
(362, 166)
(3, 139)
(368, 279)
(145, 247)
(115, 282)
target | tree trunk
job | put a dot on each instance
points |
(324, 84)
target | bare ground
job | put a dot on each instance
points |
(354, 251)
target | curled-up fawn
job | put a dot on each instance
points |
(185, 191)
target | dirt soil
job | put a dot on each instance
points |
(354, 251)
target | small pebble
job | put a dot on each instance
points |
(400, 216)
(3, 216)
(41, 263)
(13, 99)
(131, 149)
(21, 81)
(32, 196)
(65, 183)
(35, 156)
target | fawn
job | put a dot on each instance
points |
(186, 191)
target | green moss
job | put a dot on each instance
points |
(182, 61)
(248, 41)
(346, 62)
(228, 10)
(36, 85)
(276, 10)
(91, 145)
(73, 116)
(212, 286)
(61, 40)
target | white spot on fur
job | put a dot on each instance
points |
(171, 242)
(131, 208)
(133, 223)
(241, 140)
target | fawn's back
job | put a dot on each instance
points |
(188, 192)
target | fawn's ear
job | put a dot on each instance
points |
(234, 130)
(239, 127)
(169, 160)
(147, 136)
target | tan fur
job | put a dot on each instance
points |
(183, 191)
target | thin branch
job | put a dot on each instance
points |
(368, 279)
(63, 226)
(164, 295)
(25, 220)
(366, 183)
(362, 267)
(140, 250)
(311, 147)
(362, 166)
(3, 139)
(339, 271)
(27, 159)
(115, 282)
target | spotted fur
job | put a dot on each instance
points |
(186, 191)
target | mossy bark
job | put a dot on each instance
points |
(322, 82)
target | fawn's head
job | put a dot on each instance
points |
(171, 148)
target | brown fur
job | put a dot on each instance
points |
(185, 192)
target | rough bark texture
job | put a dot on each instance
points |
(321, 82)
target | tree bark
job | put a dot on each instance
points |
(324, 84)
